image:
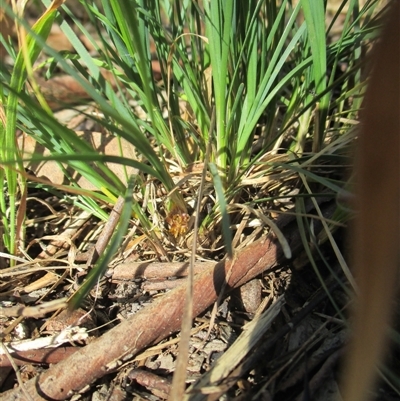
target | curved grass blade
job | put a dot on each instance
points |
(307, 237)
(326, 182)
(278, 233)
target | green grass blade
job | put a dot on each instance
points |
(219, 26)
(314, 15)
(219, 189)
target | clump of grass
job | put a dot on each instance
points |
(284, 87)
(284, 111)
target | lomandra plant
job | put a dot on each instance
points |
(269, 70)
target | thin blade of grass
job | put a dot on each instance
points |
(219, 189)
(314, 15)
(219, 25)
(179, 378)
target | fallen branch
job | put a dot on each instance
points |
(156, 270)
(38, 356)
(157, 321)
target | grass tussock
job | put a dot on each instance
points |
(218, 124)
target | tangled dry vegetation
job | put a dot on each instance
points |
(271, 324)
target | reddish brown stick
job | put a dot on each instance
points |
(39, 356)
